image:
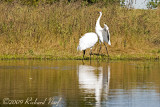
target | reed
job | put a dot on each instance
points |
(54, 30)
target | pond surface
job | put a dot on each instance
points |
(74, 84)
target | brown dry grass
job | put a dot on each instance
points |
(54, 30)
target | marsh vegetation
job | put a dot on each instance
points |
(53, 30)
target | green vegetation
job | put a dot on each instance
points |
(84, 2)
(53, 31)
(153, 4)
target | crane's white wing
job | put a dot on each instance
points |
(106, 34)
(87, 41)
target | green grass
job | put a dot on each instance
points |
(52, 57)
(53, 31)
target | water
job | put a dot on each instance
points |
(74, 84)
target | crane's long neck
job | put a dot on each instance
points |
(98, 21)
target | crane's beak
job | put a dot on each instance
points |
(99, 11)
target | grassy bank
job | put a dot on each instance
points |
(53, 31)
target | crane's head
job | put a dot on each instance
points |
(100, 12)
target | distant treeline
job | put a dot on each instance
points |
(87, 2)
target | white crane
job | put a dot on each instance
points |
(103, 33)
(95, 81)
(88, 40)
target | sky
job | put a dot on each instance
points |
(138, 4)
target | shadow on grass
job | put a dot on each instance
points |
(98, 56)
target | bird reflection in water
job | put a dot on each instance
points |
(94, 83)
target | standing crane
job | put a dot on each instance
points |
(88, 40)
(103, 33)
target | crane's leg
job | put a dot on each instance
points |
(90, 53)
(100, 48)
(106, 49)
(83, 53)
